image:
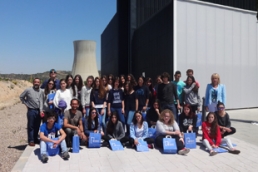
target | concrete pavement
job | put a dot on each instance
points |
(198, 159)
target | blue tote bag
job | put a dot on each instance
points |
(190, 140)
(94, 140)
(152, 132)
(116, 145)
(60, 120)
(199, 119)
(169, 145)
(51, 97)
(50, 148)
(142, 146)
(220, 150)
(76, 144)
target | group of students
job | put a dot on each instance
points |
(123, 109)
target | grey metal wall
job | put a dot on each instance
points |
(109, 48)
(212, 39)
(152, 45)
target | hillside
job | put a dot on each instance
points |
(10, 91)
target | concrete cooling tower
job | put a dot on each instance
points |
(84, 62)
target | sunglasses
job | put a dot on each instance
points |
(221, 108)
(93, 112)
(50, 83)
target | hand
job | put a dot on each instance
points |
(182, 140)
(136, 142)
(198, 109)
(207, 109)
(157, 110)
(190, 128)
(50, 102)
(102, 133)
(42, 114)
(95, 131)
(178, 106)
(144, 108)
(56, 143)
(84, 111)
(214, 146)
(83, 137)
(123, 111)
(177, 132)
(102, 112)
(228, 130)
(109, 113)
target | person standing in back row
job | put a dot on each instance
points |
(52, 75)
(31, 98)
(167, 92)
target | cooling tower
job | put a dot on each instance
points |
(84, 62)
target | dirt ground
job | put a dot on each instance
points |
(13, 131)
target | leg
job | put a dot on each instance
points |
(173, 109)
(180, 145)
(30, 125)
(233, 130)
(43, 148)
(149, 140)
(121, 116)
(207, 144)
(69, 134)
(36, 125)
(87, 111)
(131, 141)
(228, 142)
(100, 116)
(63, 146)
(124, 139)
(159, 141)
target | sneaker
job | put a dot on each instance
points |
(150, 146)
(44, 158)
(234, 151)
(213, 153)
(65, 155)
(32, 144)
(104, 144)
(184, 151)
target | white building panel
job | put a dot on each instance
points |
(216, 39)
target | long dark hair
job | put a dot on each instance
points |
(47, 91)
(130, 87)
(120, 81)
(102, 90)
(134, 118)
(195, 89)
(214, 124)
(111, 126)
(191, 113)
(132, 81)
(96, 120)
(72, 85)
(116, 79)
(80, 85)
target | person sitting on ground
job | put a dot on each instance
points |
(224, 121)
(115, 129)
(92, 124)
(73, 122)
(212, 136)
(139, 130)
(187, 120)
(167, 125)
(48, 131)
(153, 114)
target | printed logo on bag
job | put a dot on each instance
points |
(167, 143)
(189, 140)
(92, 139)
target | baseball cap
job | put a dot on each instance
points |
(62, 104)
(52, 70)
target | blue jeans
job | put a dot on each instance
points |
(43, 147)
(87, 109)
(33, 118)
(130, 115)
(102, 118)
(172, 108)
(119, 113)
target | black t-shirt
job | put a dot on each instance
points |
(185, 121)
(130, 101)
(152, 115)
(223, 121)
(167, 92)
(142, 94)
(115, 98)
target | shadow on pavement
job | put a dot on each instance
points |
(244, 121)
(37, 152)
(20, 147)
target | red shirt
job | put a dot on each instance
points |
(206, 126)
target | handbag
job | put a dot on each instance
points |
(51, 97)
(94, 140)
(152, 132)
(76, 144)
(199, 119)
(60, 120)
(190, 140)
(116, 145)
(51, 151)
(169, 145)
(142, 146)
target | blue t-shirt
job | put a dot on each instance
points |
(50, 133)
(180, 86)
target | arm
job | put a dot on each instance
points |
(80, 131)
(160, 128)
(41, 101)
(123, 107)
(188, 90)
(44, 138)
(207, 95)
(83, 92)
(224, 95)
(86, 129)
(145, 130)
(136, 104)
(228, 121)
(121, 131)
(132, 131)
(205, 134)
(56, 99)
(92, 98)
(63, 135)
(23, 97)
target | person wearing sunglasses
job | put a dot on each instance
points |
(224, 121)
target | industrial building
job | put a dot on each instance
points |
(208, 36)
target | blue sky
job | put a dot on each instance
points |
(37, 35)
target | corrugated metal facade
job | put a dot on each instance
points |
(243, 4)
(212, 39)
